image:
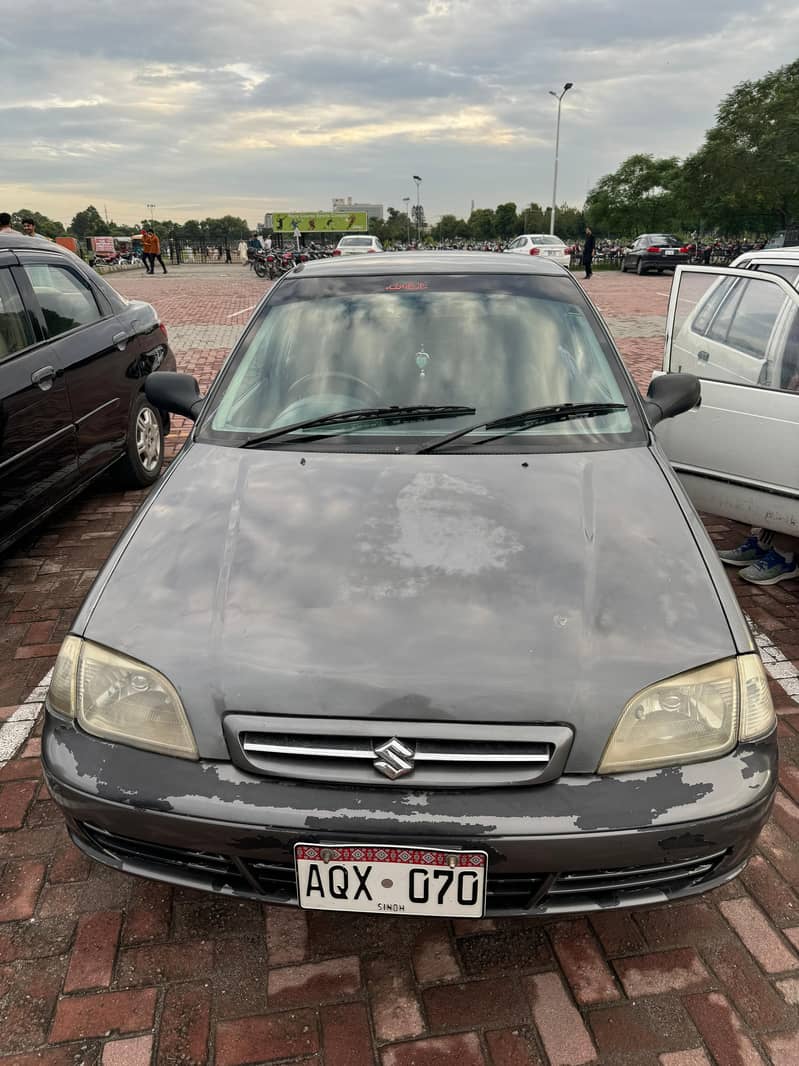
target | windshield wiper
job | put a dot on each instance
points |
(536, 416)
(385, 415)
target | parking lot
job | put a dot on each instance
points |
(98, 967)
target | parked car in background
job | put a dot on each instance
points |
(784, 238)
(74, 356)
(354, 245)
(655, 251)
(543, 244)
(737, 328)
(453, 640)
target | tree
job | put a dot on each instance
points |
(532, 219)
(89, 223)
(746, 174)
(46, 227)
(639, 195)
(483, 224)
(506, 221)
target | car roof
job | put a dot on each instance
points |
(19, 240)
(770, 254)
(536, 236)
(428, 263)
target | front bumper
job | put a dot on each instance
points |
(578, 844)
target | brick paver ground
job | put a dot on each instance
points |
(96, 967)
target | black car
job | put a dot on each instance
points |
(451, 637)
(655, 251)
(74, 356)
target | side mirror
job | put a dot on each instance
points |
(671, 394)
(177, 393)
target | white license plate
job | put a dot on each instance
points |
(391, 880)
(669, 251)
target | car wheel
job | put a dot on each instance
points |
(144, 446)
(639, 269)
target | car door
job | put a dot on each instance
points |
(91, 343)
(38, 454)
(738, 453)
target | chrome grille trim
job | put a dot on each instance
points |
(442, 754)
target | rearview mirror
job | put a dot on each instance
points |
(671, 394)
(177, 393)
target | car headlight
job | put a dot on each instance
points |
(120, 699)
(694, 716)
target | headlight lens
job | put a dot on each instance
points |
(694, 716)
(119, 699)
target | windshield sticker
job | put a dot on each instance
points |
(406, 286)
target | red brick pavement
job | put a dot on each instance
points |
(96, 967)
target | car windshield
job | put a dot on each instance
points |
(357, 242)
(496, 344)
(665, 239)
(545, 238)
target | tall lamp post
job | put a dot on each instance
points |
(418, 181)
(407, 201)
(559, 98)
(151, 212)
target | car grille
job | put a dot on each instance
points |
(540, 893)
(406, 754)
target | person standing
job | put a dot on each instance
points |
(155, 252)
(588, 251)
(146, 251)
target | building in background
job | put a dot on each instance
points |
(372, 210)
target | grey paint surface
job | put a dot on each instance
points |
(440, 587)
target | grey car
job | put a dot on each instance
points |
(419, 621)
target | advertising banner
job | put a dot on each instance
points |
(317, 222)
(104, 245)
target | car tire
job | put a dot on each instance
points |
(143, 458)
(639, 268)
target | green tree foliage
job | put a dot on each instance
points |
(89, 223)
(506, 221)
(482, 224)
(746, 174)
(640, 195)
(45, 227)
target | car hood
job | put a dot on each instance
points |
(476, 588)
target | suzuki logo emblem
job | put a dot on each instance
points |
(395, 758)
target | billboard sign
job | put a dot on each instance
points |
(104, 245)
(317, 222)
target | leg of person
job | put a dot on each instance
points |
(778, 564)
(756, 545)
(161, 261)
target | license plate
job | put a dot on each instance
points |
(391, 880)
(669, 251)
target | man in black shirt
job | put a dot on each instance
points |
(588, 251)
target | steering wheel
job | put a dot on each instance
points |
(328, 374)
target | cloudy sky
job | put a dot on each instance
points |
(242, 106)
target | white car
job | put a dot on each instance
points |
(360, 245)
(543, 244)
(737, 328)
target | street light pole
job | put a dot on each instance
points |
(418, 181)
(407, 200)
(559, 98)
(151, 212)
